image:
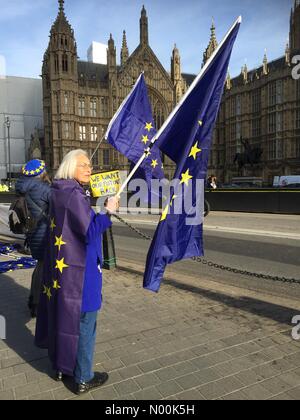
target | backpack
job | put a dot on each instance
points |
(21, 221)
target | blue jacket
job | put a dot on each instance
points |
(39, 192)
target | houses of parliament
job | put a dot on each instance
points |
(260, 107)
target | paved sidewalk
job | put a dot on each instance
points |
(194, 340)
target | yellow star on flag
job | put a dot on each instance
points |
(154, 163)
(47, 291)
(200, 123)
(165, 213)
(148, 153)
(145, 139)
(27, 173)
(194, 151)
(59, 242)
(52, 225)
(60, 265)
(56, 285)
(185, 178)
(173, 198)
(149, 127)
(37, 171)
(32, 172)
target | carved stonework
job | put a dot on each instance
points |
(35, 151)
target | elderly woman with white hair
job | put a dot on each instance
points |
(72, 287)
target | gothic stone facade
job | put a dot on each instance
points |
(261, 107)
(81, 97)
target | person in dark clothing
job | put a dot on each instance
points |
(35, 185)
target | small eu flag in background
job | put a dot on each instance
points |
(131, 130)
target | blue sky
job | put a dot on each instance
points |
(25, 27)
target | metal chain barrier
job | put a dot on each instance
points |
(134, 229)
(214, 265)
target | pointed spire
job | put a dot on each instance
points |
(213, 43)
(213, 29)
(245, 72)
(228, 81)
(144, 37)
(111, 42)
(61, 24)
(61, 6)
(265, 64)
(124, 50)
(111, 53)
(175, 65)
(287, 53)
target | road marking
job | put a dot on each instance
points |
(251, 232)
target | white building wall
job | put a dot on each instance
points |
(21, 100)
(97, 53)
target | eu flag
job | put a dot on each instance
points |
(132, 129)
(186, 139)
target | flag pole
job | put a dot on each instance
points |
(114, 118)
(179, 105)
(130, 176)
(97, 148)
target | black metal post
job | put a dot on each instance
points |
(7, 122)
(109, 251)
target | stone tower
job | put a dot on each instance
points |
(124, 50)
(60, 89)
(176, 74)
(144, 37)
(295, 28)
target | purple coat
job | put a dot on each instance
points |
(58, 319)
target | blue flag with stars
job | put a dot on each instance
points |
(186, 139)
(131, 131)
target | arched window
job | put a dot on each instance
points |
(159, 109)
(56, 64)
(65, 66)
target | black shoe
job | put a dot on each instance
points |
(59, 376)
(98, 380)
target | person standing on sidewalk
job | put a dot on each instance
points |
(72, 295)
(35, 186)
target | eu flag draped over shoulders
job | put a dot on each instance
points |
(131, 130)
(186, 138)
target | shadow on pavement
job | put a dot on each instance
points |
(278, 313)
(20, 328)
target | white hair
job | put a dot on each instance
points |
(67, 168)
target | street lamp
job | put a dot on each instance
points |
(7, 123)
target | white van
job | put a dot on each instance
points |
(286, 181)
